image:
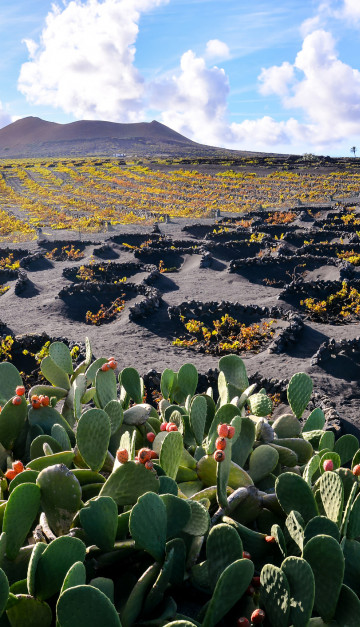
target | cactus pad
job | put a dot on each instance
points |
(86, 606)
(294, 493)
(325, 556)
(302, 589)
(299, 392)
(54, 564)
(148, 525)
(275, 595)
(93, 436)
(21, 511)
(230, 587)
(128, 482)
(99, 518)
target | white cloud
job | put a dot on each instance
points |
(352, 9)
(84, 62)
(194, 102)
(5, 117)
(276, 80)
(216, 49)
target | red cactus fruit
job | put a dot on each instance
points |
(256, 582)
(246, 555)
(250, 591)
(112, 364)
(16, 400)
(219, 456)
(20, 390)
(223, 430)
(154, 455)
(150, 436)
(171, 426)
(328, 464)
(122, 455)
(36, 403)
(45, 401)
(149, 465)
(144, 455)
(18, 466)
(258, 617)
(231, 432)
(10, 474)
(0, 409)
(105, 367)
(270, 539)
(220, 444)
(242, 622)
(111, 359)
(163, 426)
(356, 470)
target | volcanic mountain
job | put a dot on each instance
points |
(34, 137)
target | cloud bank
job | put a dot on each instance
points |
(84, 63)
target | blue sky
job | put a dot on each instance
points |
(279, 76)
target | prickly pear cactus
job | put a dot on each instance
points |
(299, 392)
(60, 497)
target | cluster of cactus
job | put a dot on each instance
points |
(206, 511)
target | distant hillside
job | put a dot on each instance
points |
(33, 137)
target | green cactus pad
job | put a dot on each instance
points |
(302, 589)
(310, 469)
(244, 444)
(116, 415)
(199, 522)
(332, 496)
(171, 453)
(287, 426)
(9, 379)
(287, 457)
(21, 511)
(198, 413)
(29, 476)
(275, 595)
(12, 420)
(93, 436)
(178, 512)
(207, 467)
(223, 547)
(105, 585)
(260, 404)
(353, 526)
(315, 421)
(302, 448)
(351, 550)
(348, 608)
(47, 390)
(168, 486)
(166, 383)
(346, 447)
(294, 493)
(320, 525)
(234, 371)
(76, 576)
(60, 435)
(136, 597)
(299, 392)
(54, 374)
(128, 482)
(60, 354)
(29, 612)
(106, 387)
(36, 447)
(54, 564)
(4, 591)
(37, 552)
(85, 476)
(72, 407)
(40, 463)
(222, 476)
(60, 497)
(230, 587)
(277, 533)
(187, 380)
(46, 418)
(327, 440)
(177, 545)
(295, 526)
(262, 462)
(325, 556)
(131, 381)
(156, 594)
(86, 606)
(99, 518)
(148, 525)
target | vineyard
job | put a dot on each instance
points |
(87, 195)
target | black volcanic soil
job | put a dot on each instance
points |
(146, 343)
